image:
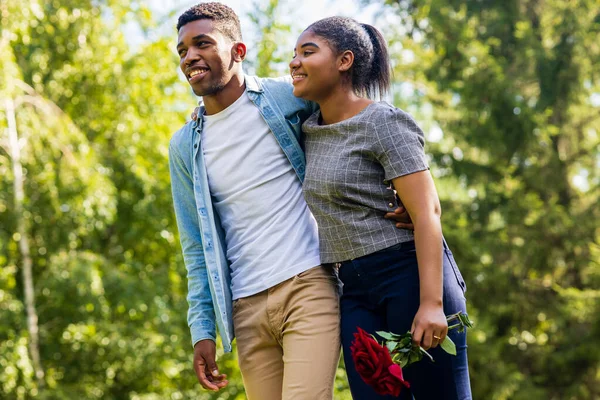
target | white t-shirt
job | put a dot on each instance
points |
(271, 234)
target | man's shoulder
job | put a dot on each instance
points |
(280, 90)
(183, 137)
(282, 82)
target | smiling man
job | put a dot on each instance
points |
(249, 242)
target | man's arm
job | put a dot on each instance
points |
(201, 315)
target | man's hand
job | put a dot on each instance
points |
(195, 112)
(402, 218)
(206, 367)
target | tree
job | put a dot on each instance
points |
(110, 283)
(514, 87)
(270, 58)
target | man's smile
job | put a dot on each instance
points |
(194, 74)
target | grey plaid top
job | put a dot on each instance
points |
(348, 168)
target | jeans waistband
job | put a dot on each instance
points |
(403, 246)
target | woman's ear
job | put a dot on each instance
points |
(238, 51)
(345, 61)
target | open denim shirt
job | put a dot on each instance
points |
(201, 234)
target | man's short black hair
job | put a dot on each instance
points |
(224, 18)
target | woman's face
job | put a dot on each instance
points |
(314, 68)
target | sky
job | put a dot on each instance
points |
(298, 14)
(303, 12)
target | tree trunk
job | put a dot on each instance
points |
(32, 317)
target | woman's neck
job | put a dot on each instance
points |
(341, 105)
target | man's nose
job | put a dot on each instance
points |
(191, 56)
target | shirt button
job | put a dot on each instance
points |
(196, 145)
(391, 204)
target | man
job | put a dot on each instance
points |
(249, 242)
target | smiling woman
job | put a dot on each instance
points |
(393, 279)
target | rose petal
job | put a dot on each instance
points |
(396, 371)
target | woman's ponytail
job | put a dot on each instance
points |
(378, 81)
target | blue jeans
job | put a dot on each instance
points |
(381, 292)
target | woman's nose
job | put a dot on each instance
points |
(294, 63)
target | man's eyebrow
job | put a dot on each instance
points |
(195, 38)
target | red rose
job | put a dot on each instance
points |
(375, 366)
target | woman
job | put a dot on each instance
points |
(355, 147)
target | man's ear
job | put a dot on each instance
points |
(345, 61)
(238, 51)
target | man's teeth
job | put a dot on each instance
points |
(196, 72)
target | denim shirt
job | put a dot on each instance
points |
(201, 234)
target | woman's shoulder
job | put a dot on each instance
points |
(386, 110)
(390, 120)
(312, 122)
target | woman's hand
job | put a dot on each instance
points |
(429, 328)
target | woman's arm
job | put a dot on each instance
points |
(419, 196)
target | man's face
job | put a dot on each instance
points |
(205, 57)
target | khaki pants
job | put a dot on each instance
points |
(288, 338)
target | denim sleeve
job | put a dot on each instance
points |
(201, 314)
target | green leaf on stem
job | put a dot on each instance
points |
(389, 336)
(464, 318)
(448, 346)
(401, 359)
(391, 345)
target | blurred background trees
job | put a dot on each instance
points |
(507, 92)
(515, 88)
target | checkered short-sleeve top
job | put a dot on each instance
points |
(349, 166)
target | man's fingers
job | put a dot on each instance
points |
(195, 113)
(217, 378)
(222, 384)
(401, 217)
(203, 379)
(211, 367)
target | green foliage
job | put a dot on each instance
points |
(94, 118)
(512, 85)
(271, 57)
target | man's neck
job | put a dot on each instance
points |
(227, 96)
